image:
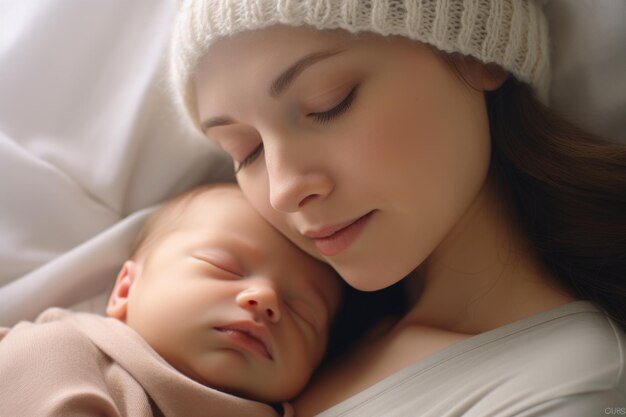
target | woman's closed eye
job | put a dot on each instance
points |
(242, 142)
(256, 152)
(338, 110)
(321, 117)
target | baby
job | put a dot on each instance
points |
(215, 314)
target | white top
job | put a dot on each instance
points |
(566, 362)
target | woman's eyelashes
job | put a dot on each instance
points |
(321, 117)
(250, 158)
(338, 110)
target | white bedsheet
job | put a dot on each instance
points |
(89, 141)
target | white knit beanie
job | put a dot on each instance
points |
(510, 33)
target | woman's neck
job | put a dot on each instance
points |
(483, 275)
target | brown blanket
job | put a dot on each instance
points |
(75, 364)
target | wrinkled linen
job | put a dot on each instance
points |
(89, 144)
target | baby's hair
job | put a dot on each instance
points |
(167, 217)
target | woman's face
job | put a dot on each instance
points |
(365, 151)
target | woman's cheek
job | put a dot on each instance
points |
(257, 193)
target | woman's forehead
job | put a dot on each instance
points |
(276, 44)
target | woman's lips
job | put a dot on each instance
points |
(333, 240)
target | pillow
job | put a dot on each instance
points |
(89, 140)
(589, 64)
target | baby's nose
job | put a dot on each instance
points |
(262, 301)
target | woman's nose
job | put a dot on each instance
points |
(262, 301)
(293, 181)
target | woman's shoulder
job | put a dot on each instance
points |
(573, 341)
(580, 321)
(569, 361)
(571, 354)
(569, 350)
(575, 337)
(576, 346)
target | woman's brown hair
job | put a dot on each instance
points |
(569, 190)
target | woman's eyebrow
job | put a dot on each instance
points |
(286, 78)
(216, 121)
(280, 84)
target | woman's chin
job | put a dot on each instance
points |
(367, 280)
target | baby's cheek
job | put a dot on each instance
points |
(306, 352)
(296, 376)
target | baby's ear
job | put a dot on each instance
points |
(118, 301)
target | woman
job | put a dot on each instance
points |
(404, 141)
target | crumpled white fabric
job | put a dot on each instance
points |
(89, 141)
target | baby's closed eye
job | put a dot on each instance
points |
(221, 260)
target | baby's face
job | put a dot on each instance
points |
(233, 304)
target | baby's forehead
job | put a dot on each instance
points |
(219, 193)
(244, 222)
(218, 200)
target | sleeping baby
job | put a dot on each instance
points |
(214, 314)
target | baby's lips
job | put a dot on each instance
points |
(253, 330)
